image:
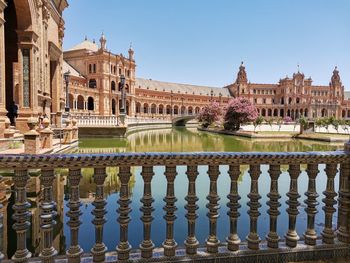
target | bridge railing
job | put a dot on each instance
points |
(293, 246)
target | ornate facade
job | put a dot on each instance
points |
(31, 36)
(94, 89)
(294, 96)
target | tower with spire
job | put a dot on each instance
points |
(103, 42)
(131, 52)
(337, 89)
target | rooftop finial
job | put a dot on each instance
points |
(298, 68)
(85, 37)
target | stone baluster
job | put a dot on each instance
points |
(328, 234)
(233, 240)
(47, 216)
(147, 245)
(343, 232)
(311, 202)
(213, 206)
(170, 244)
(75, 251)
(253, 212)
(99, 249)
(21, 216)
(124, 247)
(272, 237)
(293, 203)
(191, 241)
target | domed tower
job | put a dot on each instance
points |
(336, 87)
(241, 83)
(103, 42)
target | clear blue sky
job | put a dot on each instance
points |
(203, 41)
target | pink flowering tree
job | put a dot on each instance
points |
(209, 114)
(287, 119)
(239, 111)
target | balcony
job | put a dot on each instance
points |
(333, 242)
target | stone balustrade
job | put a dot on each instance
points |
(293, 246)
(96, 120)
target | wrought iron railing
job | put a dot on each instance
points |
(333, 242)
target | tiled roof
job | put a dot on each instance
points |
(73, 71)
(86, 44)
(182, 88)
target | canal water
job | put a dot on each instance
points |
(179, 140)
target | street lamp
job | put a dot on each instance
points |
(211, 95)
(122, 108)
(66, 80)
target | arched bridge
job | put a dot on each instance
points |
(183, 119)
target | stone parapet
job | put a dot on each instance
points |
(32, 138)
(68, 133)
(46, 135)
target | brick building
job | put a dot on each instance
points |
(95, 76)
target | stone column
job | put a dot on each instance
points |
(67, 133)
(32, 138)
(58, 119)
(3, 110)
(46, 135)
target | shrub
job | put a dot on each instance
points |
(209, 114)
(239, 111)
(287, 119)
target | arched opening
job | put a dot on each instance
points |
(197, 110)
(290, 101)
(348, 113)
(298, 100)
(275, 112)
(161, 109)
(113, 85)
(145, 108)
(269, 112)
(119, 86)
(281, 112)
(343, 113)
(282, 101)
(324, 113)
(190, 110)
(305, 113)
(153, 109)
(90, 103)
(18, 17)
(292, 114)
(113, 107)
(80, 102)
(263, 112)
(127, 90)
(168, 109)
(176, 110)
(92, 84)
(71, 101)
(138, 107)
(288, 113)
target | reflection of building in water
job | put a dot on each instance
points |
(34, 197)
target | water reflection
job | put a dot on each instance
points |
(175, 140)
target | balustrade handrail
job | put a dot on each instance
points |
(333, 240)
(166, 158)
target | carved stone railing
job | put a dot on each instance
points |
(96, 121)
(293, 246)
